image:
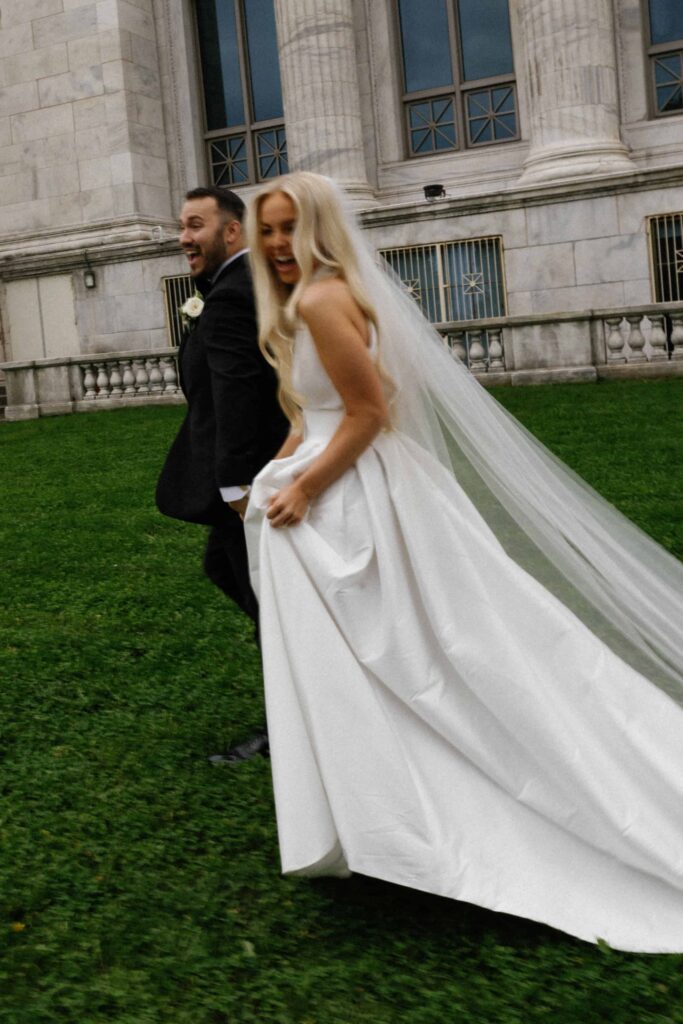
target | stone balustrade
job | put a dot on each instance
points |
(49, 387)
(117, 377)
(633, 338)
(480, 349)
(642, 341)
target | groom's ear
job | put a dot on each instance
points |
(232, 232)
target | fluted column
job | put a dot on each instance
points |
(571, 69)
(320, 91)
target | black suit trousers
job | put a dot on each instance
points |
(226, 564)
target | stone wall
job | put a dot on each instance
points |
(101, 134)
(82, 136)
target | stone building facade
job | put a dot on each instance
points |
(534, 203)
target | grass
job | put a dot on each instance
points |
(138, 883)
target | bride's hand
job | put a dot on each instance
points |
(288, 507)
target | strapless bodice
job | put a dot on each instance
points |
(323, 408)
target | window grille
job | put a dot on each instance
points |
(245, 134)
(177, 290)
(666, 252)
(455, 281)
(458, 74)
(665, 50)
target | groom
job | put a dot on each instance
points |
(234, 424)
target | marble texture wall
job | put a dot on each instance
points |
(40, 317)
(126, 312)
(82, 136)
(560, 255)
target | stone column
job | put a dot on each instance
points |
(320, 92)
(571, 69)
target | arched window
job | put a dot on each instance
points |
(458, 74)
(665, 27)
(244, 128)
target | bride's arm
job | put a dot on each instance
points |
(289, 446)
(336, 326)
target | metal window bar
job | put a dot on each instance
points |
(177, 290)
(454, 281)
(473, 279)
(418, 268)
(666, 255)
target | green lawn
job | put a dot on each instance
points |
(139, 883)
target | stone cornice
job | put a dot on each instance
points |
(539, 194)
(56, 251)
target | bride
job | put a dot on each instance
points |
(472, 662)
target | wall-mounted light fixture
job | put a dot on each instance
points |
(434, 192)
(89, 278)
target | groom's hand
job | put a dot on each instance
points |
(240, 506)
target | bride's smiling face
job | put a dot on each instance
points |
(277, 221)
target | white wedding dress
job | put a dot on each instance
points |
(440, 720)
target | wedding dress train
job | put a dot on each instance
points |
(439, 719)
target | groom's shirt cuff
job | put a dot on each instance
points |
(234, 493)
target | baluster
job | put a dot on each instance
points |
(477, 353)
(615, 340)
(677, 335)
(169, 374)
(458, 346)
(636, 341)
(102, 380)
(115, 380)
(156, 379)
(128, 377)
(658, 339)
(89, 380)
(496, 360)
(141, 377)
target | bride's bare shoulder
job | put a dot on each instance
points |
(326, 293)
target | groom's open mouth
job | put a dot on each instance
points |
(193, 256)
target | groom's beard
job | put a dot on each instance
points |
(211, 254)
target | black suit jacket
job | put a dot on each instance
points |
(234, 424)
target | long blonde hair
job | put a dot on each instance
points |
(321, 239)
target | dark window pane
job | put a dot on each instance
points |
(473, 274)
(485, 38)
(666, 20)
(669, 99)
(667, 239)
(220, 63)
(229, 164)
(271, 146)
(491, 114)
(418, 270)
(445, 136)
(264, 66)
(432, 125)
(426, 44)
(669, 83)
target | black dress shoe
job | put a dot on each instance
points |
(257, 744)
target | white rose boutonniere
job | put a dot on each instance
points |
(191, 310)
